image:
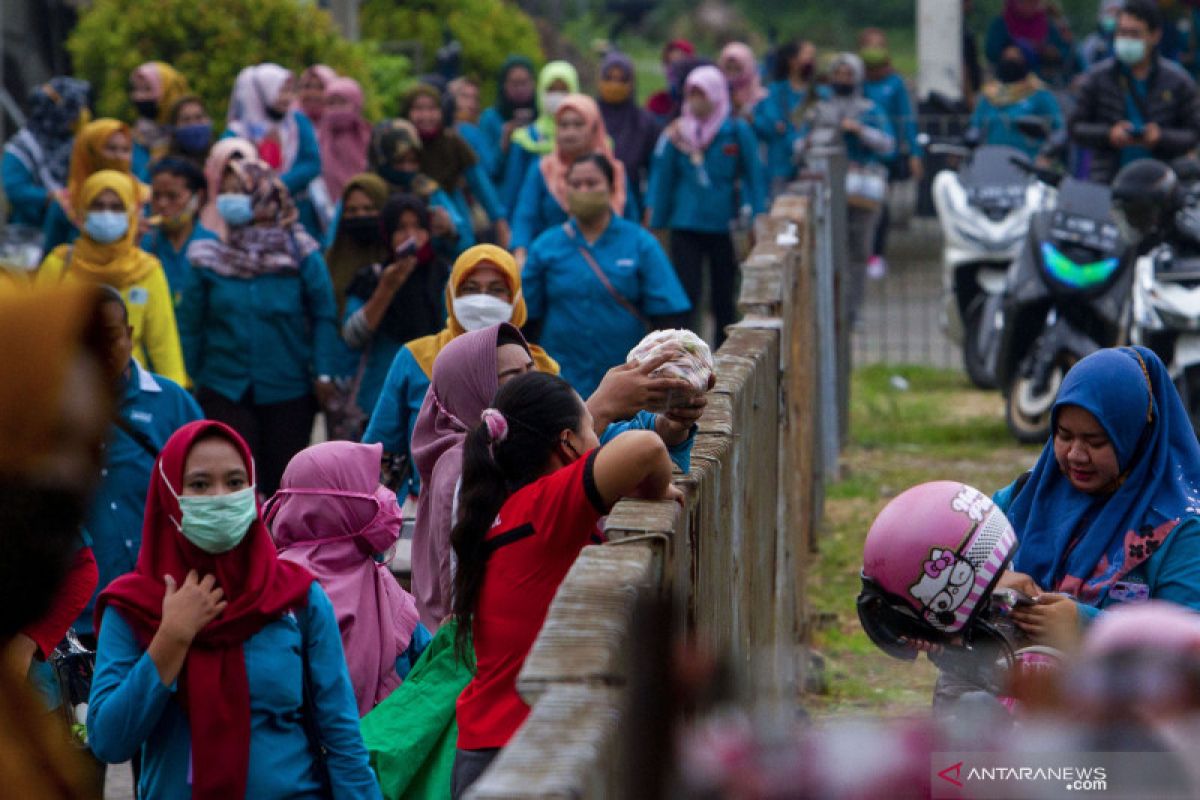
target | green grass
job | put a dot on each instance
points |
(939, 427)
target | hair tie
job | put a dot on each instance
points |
(497, 425)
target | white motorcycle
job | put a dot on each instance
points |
(1166, 305)
(984, 208)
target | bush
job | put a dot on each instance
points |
(390, 73)
(209, 42)
(489, 31)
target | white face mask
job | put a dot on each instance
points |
(477, 311)
(552, 101)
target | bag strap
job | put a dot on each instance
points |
(143, 441)
(1131, 91)
(599, 273)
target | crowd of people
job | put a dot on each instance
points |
(445, 301)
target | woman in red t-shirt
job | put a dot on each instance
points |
(534, 484)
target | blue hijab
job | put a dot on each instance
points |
(1160, 464)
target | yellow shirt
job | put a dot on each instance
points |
(151, 315)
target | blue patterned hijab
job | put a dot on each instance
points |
(1082, 544)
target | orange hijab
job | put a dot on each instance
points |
(554, 165)
(86, 157)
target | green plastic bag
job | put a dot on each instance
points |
(411, 736)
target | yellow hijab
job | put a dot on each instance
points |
(121, 263)
(42, 331)
(426, 349)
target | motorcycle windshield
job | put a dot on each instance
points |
(1082, 225)
(992, 181)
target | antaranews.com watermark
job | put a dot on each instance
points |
(1017, 776)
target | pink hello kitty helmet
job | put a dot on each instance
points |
(930, 562)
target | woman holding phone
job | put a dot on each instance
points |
(397, 300)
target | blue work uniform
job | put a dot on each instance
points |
(681, 454)
(997, 123)
(155, 408)
(491, 131)
(175, 263)
(891, 95)
(57, 229)
(781, 106)
(139, 163)
(274, 333)
(487, 152)
(538, 211)
(131, 711)
(450, 250)
(584, 327)
(516, 167)
(395, 415)
(27, 196)
(707, 196)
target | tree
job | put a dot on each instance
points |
(489, 31)
(208, 41)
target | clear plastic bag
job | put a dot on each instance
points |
(692, 362)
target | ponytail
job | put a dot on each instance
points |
(510, 448)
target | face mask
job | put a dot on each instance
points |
(477, 311)
(217, 523)
(147, 109)
(235, 209)
(587, 206)
(874, 57)
(614, 92)
(194, 138)
(806, 71)
(379, 534)
(552, 101)
(398, 177)
(106, 227)
(1011, 70)
(275, 113)
(1129, 51)
(183, 218)
(1108, 25)
(341, 119)
(363, 230)
(842, 89)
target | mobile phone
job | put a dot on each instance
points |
(1137, 132)
(407, 249)
(1013, 598)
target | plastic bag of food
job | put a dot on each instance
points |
(692, 362)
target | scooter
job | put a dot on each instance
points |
(984, 207)
(1067, 295)
(1166, 299)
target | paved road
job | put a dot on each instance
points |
(118, 783)
(901, 316)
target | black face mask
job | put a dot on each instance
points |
(39, 532)
(363, 230)
(148, 109)
(1011, 70)
(275, 113)
(842, 89)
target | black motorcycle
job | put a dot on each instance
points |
(1067, 295)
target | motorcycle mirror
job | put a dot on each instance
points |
(1033, 127)
(1050, 177)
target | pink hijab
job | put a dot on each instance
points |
(748, 89)
(343, 136)
(214, 169)
(326, 75)
(331, 516)
(554, 166)
(463, 385)
(694, 135)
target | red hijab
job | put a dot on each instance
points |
(260, 588)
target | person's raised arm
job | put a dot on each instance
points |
(635, 464)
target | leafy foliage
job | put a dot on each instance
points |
(209, 42)
(489, 31)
